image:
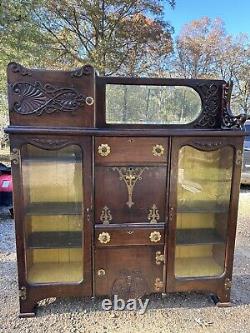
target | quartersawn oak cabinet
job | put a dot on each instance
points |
(123, 186)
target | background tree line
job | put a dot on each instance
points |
(129, 38)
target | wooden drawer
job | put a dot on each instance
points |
(130, 149)
(123, 235)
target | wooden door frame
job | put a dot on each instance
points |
(211, 284)
(38, 292)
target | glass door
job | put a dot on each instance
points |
(53, 207)
(203, 197)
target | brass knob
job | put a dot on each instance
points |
(104, 237)
(155, 236)
(101, 272)
(89, 100)
(158, 150)
(104, 149)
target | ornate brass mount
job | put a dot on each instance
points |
(158, 284)
(105, 216)
(159, 258)
(153, 215)
(130, 176)
(228, 284)
(104, 237)
(104, 149)
(15, 156)
(155, 236)
(158, 150)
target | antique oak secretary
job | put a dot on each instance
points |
(123, 186)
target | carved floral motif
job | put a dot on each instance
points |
(211, 103)
(50, 143)
(33, 98)
(228, 119)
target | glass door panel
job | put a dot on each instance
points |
(203, 197)
(52, 184)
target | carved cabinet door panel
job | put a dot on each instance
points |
(51, 98)
(52, 195)
(202, 211)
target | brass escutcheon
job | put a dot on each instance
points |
(104, 237)
(155, 236)
(104, 149)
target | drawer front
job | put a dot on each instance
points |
(129, 272)
(130, 194)
(129, 235)
(130, 149)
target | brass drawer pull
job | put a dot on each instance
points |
(158, 150)
(155, 236)
(130, 232)
(104, 149)
(104, 237)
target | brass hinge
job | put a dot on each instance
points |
(228, 284)
(23, 293)
(238, 160)
(159, 258)
(158, 284)
(15, 156)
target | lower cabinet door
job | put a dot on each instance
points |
(129, 260)
(129, 272)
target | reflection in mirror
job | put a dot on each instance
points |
(137, 104)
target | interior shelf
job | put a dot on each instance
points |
(55, 272)
(197, 267)
(198, 236)
(54, 208)
(203, 207)
(55, 239)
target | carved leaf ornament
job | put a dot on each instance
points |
(33, 98)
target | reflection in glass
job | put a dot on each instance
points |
(203, 196)
(137, 104)
(52, 182)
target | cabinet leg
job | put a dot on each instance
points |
(221, 299)
(27, 309)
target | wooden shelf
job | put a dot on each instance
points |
(48, 272)
(198, 236)
(197, 267)
(53, 159)
(63, 239)
(54, 208)
(203, 207)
